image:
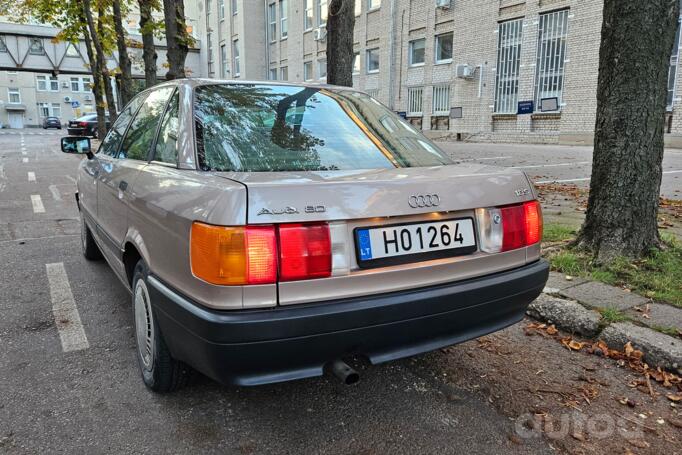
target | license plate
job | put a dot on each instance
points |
(404, 243)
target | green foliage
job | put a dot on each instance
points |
(612, 315)
(558, 232)
(657, 276)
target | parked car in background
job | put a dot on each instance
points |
(266, 232)
(52, 122)
(85, 125)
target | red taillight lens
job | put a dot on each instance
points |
(533, 214)
(304, 251)
(83, 124)
(521, 225)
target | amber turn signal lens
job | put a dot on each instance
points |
(234, 256)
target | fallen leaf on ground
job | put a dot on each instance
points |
(675, 398)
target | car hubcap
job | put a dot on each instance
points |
(144, 325)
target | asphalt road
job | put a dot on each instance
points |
(92, 400)
(557, 163)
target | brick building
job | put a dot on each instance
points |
(488, 70)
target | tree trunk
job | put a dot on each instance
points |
(148, 49)
(100, 57)
(636, 44)
(96, 84)
(126, 78)
(177, 38)
(340, 55)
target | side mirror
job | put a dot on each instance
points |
(78, 145)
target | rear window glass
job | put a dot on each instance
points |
(252, 128)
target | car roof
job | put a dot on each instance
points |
(199, 82)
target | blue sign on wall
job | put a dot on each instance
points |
(75, 104)
(526, 107)
(402, 114)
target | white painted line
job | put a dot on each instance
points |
(55, 193)
(71, 178)
(23, 152)
(24, 160)
(37, 202)
(31, 176)
(585, 179)
(577, 163)
(483, 159)
(64, 309)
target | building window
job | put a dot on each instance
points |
(36, 47)
(356, 63)
(71, 50)
(14, 95)
(308, 71)
(44, 109)
(417, 49)
(235, 58)
(321, 12)
(508, 63)
(223, 61)
(272, 22)
(308, 16)
(283, 16)
(551, 52)
(3, 45)
(234, 7)
(441, 100)
(272, 74)
(75, 84)
(41, 83)
(221, 9)
(415, 101)
(373, 4)
(672, 72)
(284, 73)
(322, 68)
(56, 110)
(444, 48)
(373, 60)
(54, 84)
(86, 84)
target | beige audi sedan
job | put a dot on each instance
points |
(270, 232)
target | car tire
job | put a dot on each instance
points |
(90, 249)
(161, 373)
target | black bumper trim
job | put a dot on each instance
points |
(251, 347)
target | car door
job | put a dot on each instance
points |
(119, 172)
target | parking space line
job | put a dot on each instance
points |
(37, 203)
(55, 193)
(66, 317)
(24, 160)
(577, 163)
(71, 178)
(31, 176)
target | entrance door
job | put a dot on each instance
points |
(16, 120)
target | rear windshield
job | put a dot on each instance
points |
(252, 128)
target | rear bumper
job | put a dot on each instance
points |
(253, 347)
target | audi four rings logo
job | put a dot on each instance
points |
(424, 200)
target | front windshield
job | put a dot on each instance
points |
(258, 128)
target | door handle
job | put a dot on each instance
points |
(123, 185)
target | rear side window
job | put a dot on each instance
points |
(138, 140)
(252, 128)
(112, 141)
(166, 145)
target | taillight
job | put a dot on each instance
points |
(508, 228)
(304, 251)
(234, 255)
(83, 124)
(243, 255)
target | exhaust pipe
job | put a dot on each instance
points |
(343, 372)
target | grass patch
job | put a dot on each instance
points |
(612, 315)
(671, 331)
(659, 276)
(558, 232)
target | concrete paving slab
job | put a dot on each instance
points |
(558, 281)
(599, 295)
(660, 315)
